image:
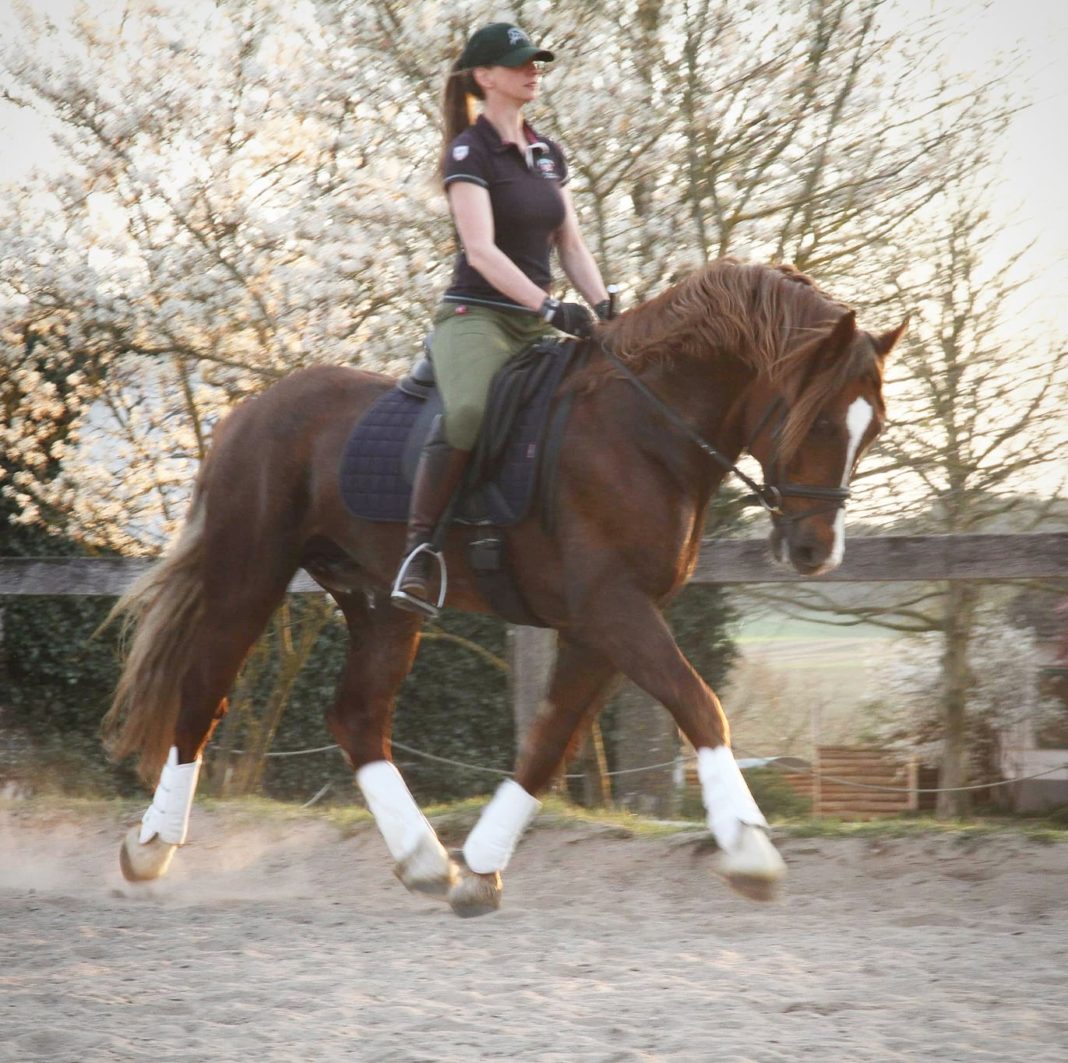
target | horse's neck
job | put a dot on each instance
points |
(706, 399)
(707, 396)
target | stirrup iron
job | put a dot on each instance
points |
(405, 600)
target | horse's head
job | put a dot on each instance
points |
(808, 426)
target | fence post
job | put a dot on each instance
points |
(645, 735)
(817, 738)
(532, 652)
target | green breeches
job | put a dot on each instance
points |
(468, 349)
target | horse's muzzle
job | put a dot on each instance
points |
(808, 546)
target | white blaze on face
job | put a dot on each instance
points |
(858, 418)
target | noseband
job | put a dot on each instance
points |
(770, 496)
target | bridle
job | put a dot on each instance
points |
(769, 496)
(836, 496)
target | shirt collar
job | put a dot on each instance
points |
(493, 140)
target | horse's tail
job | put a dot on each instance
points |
(162, 611)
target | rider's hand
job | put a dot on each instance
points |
(572, 318)
(605, 310)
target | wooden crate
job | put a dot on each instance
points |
(840, 774)
(827, 784)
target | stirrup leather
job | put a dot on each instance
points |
(419, 605)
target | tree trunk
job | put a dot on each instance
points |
(958, 621)
(224, 765)
(646, 735)
(591, 761)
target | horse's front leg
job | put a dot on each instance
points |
(382, 645)
(581, 681)
(632, 632)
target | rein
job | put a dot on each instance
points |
(767, 495)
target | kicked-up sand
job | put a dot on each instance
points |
(290, 940)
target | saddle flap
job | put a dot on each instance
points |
(383, 450)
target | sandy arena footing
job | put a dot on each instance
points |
(291, 941)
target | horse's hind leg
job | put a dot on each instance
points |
(581, 681)
(382, 645)
(232, 619)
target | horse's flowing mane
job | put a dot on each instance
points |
(765, 316)
(759, 313)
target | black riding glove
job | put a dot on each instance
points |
(572, 318)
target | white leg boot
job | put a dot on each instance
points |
(489, 848)
(422, 865)
(147, 850)
(750, 863)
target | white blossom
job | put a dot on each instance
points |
(249, 188)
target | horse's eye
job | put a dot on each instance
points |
(823, 426)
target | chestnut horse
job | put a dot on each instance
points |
(735, 358)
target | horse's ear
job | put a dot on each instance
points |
(885, 343)
(820, 353)
(843, 332)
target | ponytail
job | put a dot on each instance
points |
(458, 107)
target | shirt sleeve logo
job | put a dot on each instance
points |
(459, 153)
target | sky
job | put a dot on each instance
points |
(1034, 195)
(1033, 199)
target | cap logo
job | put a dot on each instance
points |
(517, 36)
(459, 153)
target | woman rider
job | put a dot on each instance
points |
(506, 187)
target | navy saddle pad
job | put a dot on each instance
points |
(381, 454)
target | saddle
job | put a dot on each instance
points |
(511, 465)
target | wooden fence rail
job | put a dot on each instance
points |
(1040, 556)
(873, 559)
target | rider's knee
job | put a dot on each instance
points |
(462, 424)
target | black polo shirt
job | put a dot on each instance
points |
(524, 190)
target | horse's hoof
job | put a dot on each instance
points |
(753, 889)
(753, 867)
(428, 869)
(143, 863)
(476, 895)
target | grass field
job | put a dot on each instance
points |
(459, 816)
(798, 679)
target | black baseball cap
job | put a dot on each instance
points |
(500, 44)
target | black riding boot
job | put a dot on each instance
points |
(437, 477)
